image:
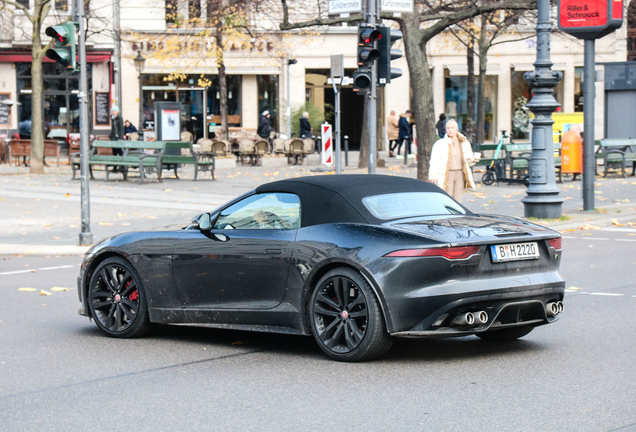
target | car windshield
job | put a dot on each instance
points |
(409, 204)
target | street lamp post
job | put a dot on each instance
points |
(542, 200)
(289, 62)
(140, 62)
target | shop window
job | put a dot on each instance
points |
(268, 97)
(456, 107)
(578, 89)
(521, 95)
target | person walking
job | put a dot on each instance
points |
(263, 125)
(404, 135)
(441, 125)
(116, 132)
(305, 126)
(451, 159)
(392, 131)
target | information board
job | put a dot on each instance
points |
(102, 109)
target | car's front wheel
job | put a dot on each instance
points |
(346, 318)
(505, 334)
(117, 300)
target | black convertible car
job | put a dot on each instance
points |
(354, 260)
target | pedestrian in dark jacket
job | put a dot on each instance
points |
(263, 125)
(405, 135)
(129, 128)
(117, 131)
(441, 125)
(305, 126)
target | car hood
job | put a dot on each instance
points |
(173, 227)
(474, 229)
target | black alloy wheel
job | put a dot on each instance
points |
(346, 318)
(116, 299)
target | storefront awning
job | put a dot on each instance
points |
(526, 67)
(462, 69)
(213, 71)
(25, 57)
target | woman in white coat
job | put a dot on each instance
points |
(451, 159)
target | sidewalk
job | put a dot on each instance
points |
(41, 213)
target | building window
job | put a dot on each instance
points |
(268, 97)
(171, 11)
(455, 102)
(24, 3)
(61, 5)
(578, 89)
(521, 95)
(194, 9)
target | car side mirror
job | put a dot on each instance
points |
(202, 222)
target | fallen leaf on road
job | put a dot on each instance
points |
(57, 289)
(105, 223)
(126, 224)
(589, 227)
(167, 190)
(568, 198)
(56, 238)
(492, 202)
(507, 196)
(27, 289)
(152, 217)
(573, 288)
(615, 222)
(73, 226)
(67, 195)
(45, 293)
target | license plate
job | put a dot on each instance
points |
(514, 252)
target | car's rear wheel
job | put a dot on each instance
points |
(346, 318)
(117, 300)
(505, 334)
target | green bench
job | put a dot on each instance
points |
(162, 155)
(485, 161)
(617, 153)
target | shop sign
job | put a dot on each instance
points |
(590, 19)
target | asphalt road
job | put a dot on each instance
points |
(58, 373)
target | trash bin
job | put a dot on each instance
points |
(571, 153)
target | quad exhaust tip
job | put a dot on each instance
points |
(481, 317)
(464, 319)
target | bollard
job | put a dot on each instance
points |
(346, 149)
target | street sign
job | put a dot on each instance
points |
(344, 6)
(404, 6)
(337, 66)
(590, 19)
(327, 145)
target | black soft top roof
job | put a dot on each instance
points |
(334, 199)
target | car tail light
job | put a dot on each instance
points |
(555, 243)
(452, 253)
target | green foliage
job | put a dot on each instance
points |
(316, 117)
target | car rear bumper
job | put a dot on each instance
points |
(508, 301)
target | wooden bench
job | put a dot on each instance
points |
(173, 157)
(617, 152)
(22, 148)
(133, 157)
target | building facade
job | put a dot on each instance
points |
(258, 80)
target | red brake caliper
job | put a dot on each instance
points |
(134, 295)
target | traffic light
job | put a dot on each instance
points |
(367, 53)
(64, 51)
(385, 71)
(361, 82)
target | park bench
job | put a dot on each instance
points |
(22, 148)
(483, 148)
(203, 161)
(617, 152)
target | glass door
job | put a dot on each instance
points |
(193, 114)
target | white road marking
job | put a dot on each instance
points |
(620, 229)
(569, 237)
(34, 270)
(596, 238)
(607, 294)
(632, 240)
(55, 268)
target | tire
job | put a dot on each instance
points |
(117, 300)
(355, 332)
(503, 335)
(488, 178)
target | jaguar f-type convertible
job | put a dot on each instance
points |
(354, 260)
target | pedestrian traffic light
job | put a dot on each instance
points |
(385, 71)
(64, 51)
(367, 52)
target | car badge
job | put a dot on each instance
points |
(345, 314)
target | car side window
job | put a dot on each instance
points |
(262, 211)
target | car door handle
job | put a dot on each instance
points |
(273, 251)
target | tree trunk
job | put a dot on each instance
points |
(37, 135)
(469, 127)
(422, 85)
(222, 84)
(363, 159)
(481, 82)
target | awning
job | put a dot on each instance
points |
(267, 70)
(526, 67)
(25, 57)
(462, 69)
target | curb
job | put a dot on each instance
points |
(42, 250)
